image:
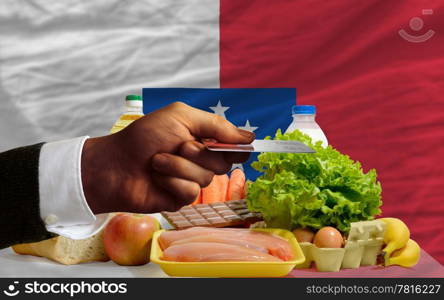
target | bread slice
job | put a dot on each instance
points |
(67, 251)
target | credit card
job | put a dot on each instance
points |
(277, 146)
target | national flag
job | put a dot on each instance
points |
(374, 69)
(248, 109)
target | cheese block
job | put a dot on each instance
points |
(65, 250)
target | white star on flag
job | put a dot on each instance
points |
(248, 127)
(219, 109)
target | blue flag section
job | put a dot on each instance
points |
(262, 111)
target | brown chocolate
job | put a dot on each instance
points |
(220, 214)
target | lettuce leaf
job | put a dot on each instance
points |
(313, 190)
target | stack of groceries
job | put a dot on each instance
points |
(306, 210)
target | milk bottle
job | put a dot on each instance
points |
(304, 121)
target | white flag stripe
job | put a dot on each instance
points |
(66, 66)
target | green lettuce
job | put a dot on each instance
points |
(313, 190)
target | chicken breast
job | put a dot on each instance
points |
(220, 239)
(168, 237)
(250, 239)
(212, 252)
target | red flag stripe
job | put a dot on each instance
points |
(379, 96)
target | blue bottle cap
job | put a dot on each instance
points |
(304, 109)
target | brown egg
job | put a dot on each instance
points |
(328, 237)
(303, 235)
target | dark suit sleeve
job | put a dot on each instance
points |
(20, 220)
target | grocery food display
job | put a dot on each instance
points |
(306, 211)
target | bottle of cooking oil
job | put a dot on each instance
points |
(134, 111)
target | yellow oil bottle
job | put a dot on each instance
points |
(134, 111)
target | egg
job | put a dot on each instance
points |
(328, 237)
(303, 235)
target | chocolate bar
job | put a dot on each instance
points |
(220, 214)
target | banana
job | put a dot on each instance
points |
(396, 236)
(408, 256)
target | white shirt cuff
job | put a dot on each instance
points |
(63, 205)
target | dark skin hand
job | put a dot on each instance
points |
(157, 163)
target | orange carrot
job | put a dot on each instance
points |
(236, 185)
(217, 190)
(198, 198)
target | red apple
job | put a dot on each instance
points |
(127, 238)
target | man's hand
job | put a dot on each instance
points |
(157, 163)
